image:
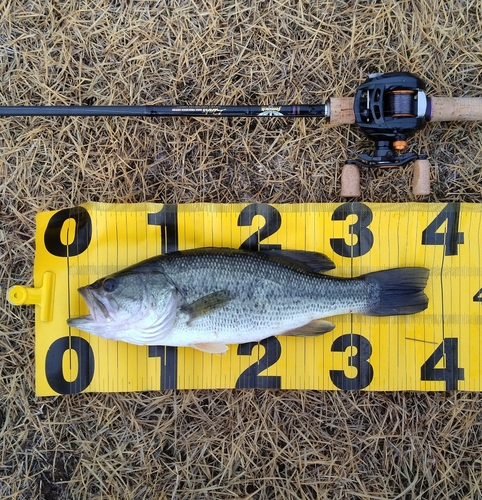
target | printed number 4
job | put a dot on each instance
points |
(451, 237)
(451, 373)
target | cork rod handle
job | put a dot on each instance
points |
(443, 109)
(446, 109)
(341, 110)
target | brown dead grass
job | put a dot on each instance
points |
(221, 444)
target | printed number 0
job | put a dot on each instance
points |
(82, 236)
(54, 361)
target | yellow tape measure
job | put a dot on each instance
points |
(438, 349)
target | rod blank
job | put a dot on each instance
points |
(294, 111)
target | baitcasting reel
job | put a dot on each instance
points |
(389, 108)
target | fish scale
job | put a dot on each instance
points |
(270, 299)
(208, 298)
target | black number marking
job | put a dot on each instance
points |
(167, 219)
(448, 351)
(364, 374)
(359, 229)
(168, 356)
(82, 236)
(478, 296)
(451, 238)
(272, 223)
(251, 378)
(53, 365)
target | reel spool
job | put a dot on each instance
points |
(389, 108)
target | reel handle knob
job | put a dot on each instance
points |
(350, 181)
(421, 177)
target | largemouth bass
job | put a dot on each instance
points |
(209, 298)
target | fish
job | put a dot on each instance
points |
(208, 298)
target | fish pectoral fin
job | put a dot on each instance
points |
(211, 347)
(312, 329)
(206, 304)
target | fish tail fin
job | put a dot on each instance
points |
(401, 291)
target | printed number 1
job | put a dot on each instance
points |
(166, 218)
(168, 360)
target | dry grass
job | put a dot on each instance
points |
(221, 444)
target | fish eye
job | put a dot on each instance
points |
(109, 285)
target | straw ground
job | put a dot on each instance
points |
(221, 444)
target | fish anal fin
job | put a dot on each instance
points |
(312, 329)
(211, 347)
(206, 304)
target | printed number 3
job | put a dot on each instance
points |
(359, 361)
(359, 229)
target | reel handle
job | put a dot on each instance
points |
(350, 179)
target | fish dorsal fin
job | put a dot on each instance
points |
(309, 261)
(206, 304)
(211, 347)
(312, 329)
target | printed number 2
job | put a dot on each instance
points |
(250, 378)
(272, 223)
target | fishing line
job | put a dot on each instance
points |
(68, 299)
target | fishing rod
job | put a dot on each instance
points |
(387, 107)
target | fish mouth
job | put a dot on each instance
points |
(100, 309)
